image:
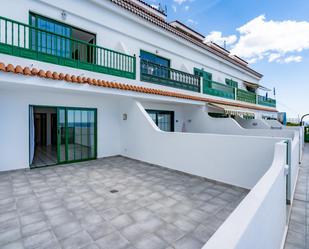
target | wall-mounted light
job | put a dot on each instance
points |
(63, 15)
(124, 116)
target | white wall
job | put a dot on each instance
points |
(14, 127)
(244, 162)
(111, 24)
(252, 123)
(203, 123)
(260, 219)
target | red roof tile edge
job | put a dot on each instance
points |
(121, 86)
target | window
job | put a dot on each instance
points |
(47, 42)
(231, 82)
(163, 119)
(207, 77)
(61, 39)
(154, 65)
(155, 59)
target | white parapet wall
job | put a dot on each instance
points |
(252, 123)
(259, 222)
(203, 123)
(232, 159)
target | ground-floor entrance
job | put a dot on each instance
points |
(61, 135)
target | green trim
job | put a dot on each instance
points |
(156, 112)
(155, 73)
(164, 58)
(245, 96)
(266, 101)
(231, 83)
(107, 61)
(65, 109)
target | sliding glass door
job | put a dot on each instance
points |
(76, 134)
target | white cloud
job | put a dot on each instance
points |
(273, 57)
(174, 8)
(191, 21)
(216, 36)
(272, 40)
(182, 1)
(187, 7)
(293, 58)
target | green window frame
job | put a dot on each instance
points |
(154, 58)
(46, 42)
(207, 77)
(158, 117)
(231, 82)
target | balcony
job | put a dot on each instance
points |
(262, 100)
(245, 96)
(26, 41)
(218, 89)
(154, 73)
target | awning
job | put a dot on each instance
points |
(255, 85)
(233, 110)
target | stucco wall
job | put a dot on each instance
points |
(260, 219)
(122, 31)
(252, 123)
(14, 129)
(199, 154)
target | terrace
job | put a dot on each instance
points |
(111, 203)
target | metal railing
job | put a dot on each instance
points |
(243, 95)
(262, 100)
(152, 72)
(23, 40)
(218, 89)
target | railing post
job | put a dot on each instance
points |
(134, 66)
(201, 85)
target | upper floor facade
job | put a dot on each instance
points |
(130, 42)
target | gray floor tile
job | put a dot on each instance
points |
(71, 206)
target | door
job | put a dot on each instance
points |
(76, 134)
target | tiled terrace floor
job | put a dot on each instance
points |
(298, 233)
(71, 206)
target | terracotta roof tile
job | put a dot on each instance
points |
(98, 82)
(42, 73)
(2, 67)
(27, 71)
(10, 68)
(68, 78)
(19, 70)
(49, 75)
(56, 76)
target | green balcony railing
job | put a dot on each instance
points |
(26, 41)
(154, 73)
(243, 95)
(262, 100)
(218, 89)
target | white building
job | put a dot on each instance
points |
(81, 80)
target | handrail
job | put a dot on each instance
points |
(24, 40)
(246, 96)
(169, 76)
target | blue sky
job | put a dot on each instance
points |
(273, 35)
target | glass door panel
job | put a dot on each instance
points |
(77, 134)
(61, 135)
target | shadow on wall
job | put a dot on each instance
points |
(245, 160)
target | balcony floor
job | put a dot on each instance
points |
(71, 206)
(298, 232)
